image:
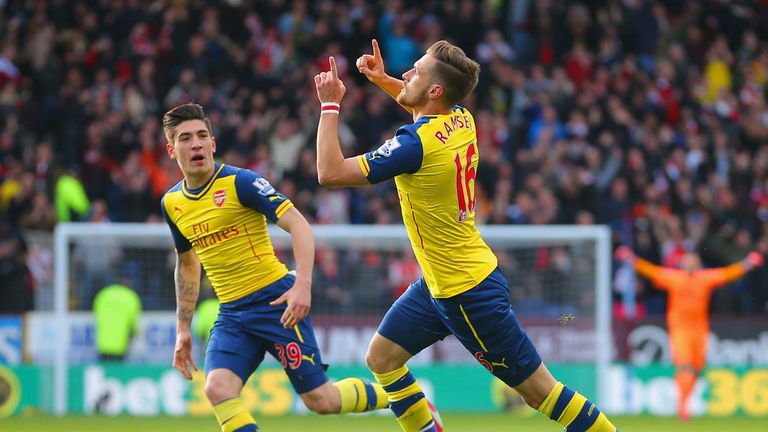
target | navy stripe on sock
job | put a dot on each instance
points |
(400, 384)
(248, 428)
(428, 426)
(565, 396)
(585, 419)
(357, 395)
(370, 393)
(401, 406)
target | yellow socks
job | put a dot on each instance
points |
(406, 400)
(574, 411)
(360, 396)
(233, 417)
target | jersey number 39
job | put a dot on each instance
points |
(465, 194)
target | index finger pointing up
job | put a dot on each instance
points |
(334, 72)
(376, 51)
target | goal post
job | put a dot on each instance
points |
(559, 278)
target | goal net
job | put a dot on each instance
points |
(559, 288)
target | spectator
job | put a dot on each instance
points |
(671, 99)
(205, 316)
(16, 283)
(40, 216)
(95, 260)
(72, 203)
(117, 310)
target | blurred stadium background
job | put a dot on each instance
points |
(648, 118)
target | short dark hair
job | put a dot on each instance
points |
(457, 73)
(182, 113)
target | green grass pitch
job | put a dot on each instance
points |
(368, 423)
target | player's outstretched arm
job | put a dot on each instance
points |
(299, 297)
(643, 267)
(719, 277)
(753, 260)
(187, 280)
(372, 66)
(333, 169)
(624, 254)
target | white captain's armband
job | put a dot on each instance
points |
(388, 147)
(263, 186)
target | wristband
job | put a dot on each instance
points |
(329, 108)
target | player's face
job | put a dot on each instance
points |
(690, 262)
(192, 148)
(417, 83)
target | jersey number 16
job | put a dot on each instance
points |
(465, 194)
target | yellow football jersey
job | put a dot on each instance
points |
(225, 220)
(434, 164)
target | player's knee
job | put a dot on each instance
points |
(535, 389)
(320, 405)
(532, 401)
(323, 400)
(531, 398)
(370, 361)
(217, 391)
(377, 363)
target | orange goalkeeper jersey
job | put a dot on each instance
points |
(689, 293)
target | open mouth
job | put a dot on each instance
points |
(198, 158)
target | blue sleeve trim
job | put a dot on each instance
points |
(402, 154)
(254, 191)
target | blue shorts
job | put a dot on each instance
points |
(249, 327)
(481, 319)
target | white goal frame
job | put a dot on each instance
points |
(343, 234)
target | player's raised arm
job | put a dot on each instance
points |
(753, 260)
(719, 277)
(372, 66)
(333, 169)
(187, 280)
(643, 267)
(298, 297)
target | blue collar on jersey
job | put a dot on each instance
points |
(196, 194)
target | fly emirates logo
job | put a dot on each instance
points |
(204, 238)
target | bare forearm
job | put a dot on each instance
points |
(645, 268)
(329, 155)
(303, 242)
(392, 87)
(187, 280)
(332, 168)
(733, 272)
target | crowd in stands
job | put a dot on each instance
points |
(648, 116)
